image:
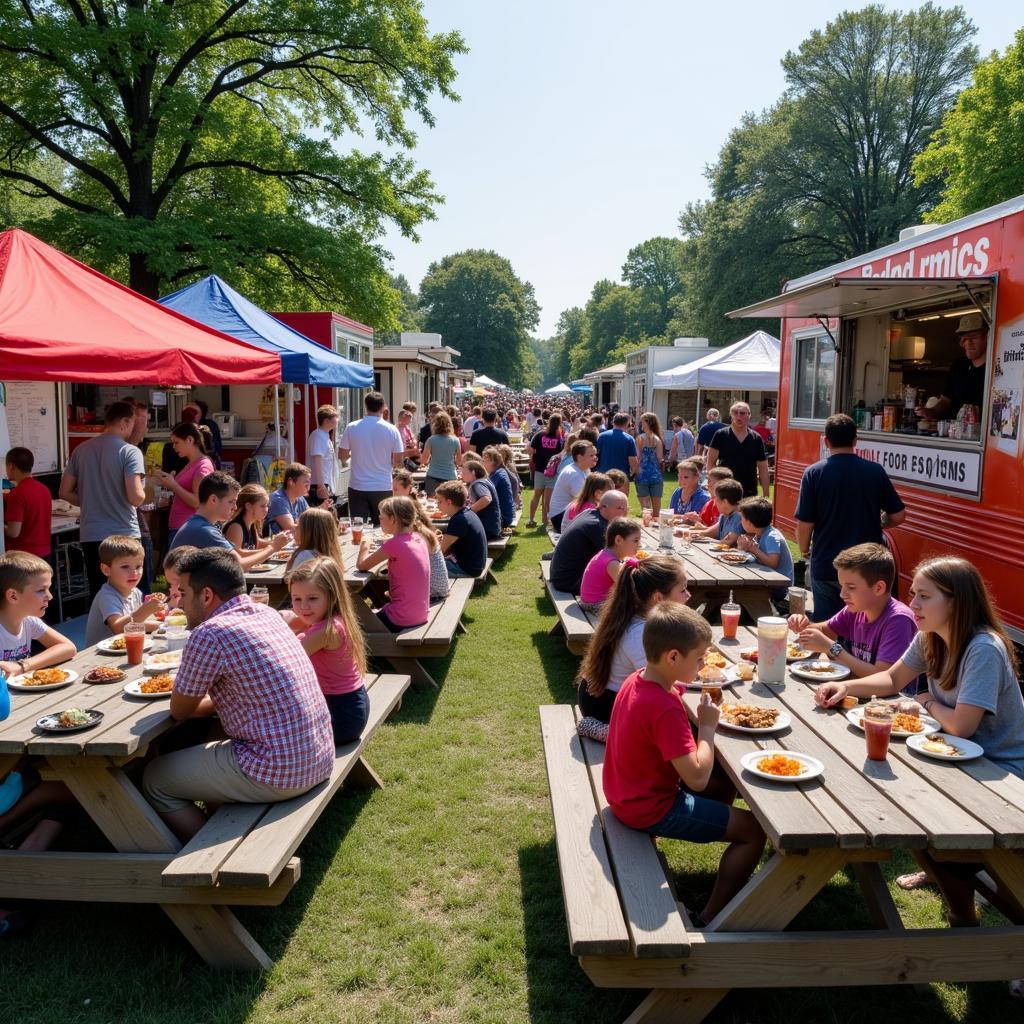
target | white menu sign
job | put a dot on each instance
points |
(945, 469)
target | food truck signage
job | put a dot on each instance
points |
(946, 469)
(965, 254)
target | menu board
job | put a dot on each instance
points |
(28, 418)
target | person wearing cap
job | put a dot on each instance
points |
(965, 382)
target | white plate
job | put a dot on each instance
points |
(813, 765)
(153, 667)
(855, 716)
(731, 678)
(14, 683)
(782, 722)
(969, 750)
(104, 645)
(132, 689)
(732, 557)
(699, 540)
(802, 669)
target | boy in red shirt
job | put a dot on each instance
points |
(708, 515)
(27, 509)
(653, 767)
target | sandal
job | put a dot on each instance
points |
(915, 880)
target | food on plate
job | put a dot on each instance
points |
(44, 677)
(177, 618)
(736, 557)
(750, 655)
(849, 702)
(104, 675)
(118, 643)
(778, 764)
(796, 651)
(262, 567)
(71, 717)
(821, 665)
(749, 716)
(437, 514)
(720, 547)
(745, 671)
(937, 745)
(712, 674)
(166, 659)
(903, 722)
(715, 659)
(162, 683)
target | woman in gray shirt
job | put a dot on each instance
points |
(973, 691)
(442, 453)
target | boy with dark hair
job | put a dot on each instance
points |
(874, 629)
(119, 601)
(464, 541)
(482, 497)
(28, 507)
(657, 776)
(569, 481)
(764, 541)
(727, 497)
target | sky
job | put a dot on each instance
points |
(585, 127)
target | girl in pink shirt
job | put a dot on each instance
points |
(590, 494)
(622, 540)
(324, 619)
(189, 442)
(408, 556)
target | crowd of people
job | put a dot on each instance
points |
(287, 686)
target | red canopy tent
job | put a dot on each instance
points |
(63, 321)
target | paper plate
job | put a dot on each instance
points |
(969, 750)
(855, 716)
(17, 684)
(153, 667)
(132, 689)
(106, 648)
(812, 764)
(803, 670)
(781, 723)
(735, 557)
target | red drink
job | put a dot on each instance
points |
(877, 733)
(357, 534)
(730, 620)
(133, 645)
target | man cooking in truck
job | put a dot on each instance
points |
(965, 382)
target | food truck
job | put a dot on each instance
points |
(877, 337)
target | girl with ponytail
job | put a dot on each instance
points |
(616, 649)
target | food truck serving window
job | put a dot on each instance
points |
(814, 376)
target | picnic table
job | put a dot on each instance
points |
(628, 931)
(255, 842)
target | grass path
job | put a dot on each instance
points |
(436, 899)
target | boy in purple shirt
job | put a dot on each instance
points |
(874, 629)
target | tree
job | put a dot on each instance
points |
(409, 316)
(200, 137)
(476, 301)
(652, 267)
(977, 156)
(569, 333)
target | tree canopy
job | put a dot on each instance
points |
(197, 138)
(977, 156)
(476, 301)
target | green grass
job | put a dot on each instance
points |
(436, 899)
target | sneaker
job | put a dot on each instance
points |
(532, 524)
(593, 728)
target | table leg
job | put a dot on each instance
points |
(404, 666)
(1007, 869)
(128, 821)
(755, 601)
(768, 902)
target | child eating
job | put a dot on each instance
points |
(729, 527)
(655, 770)
(689, 496)
(119, 601)
(622, 541)
(764, 541)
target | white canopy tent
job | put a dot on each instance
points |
(751, 364)
(559, 389)
(483, 381)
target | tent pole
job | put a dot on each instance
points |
(290, 420)
(696, 413)
(277, 423)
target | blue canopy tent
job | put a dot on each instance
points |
(215, 303)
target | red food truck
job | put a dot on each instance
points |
(876, 336)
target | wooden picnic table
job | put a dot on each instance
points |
(855, 815)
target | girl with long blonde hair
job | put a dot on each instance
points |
(316, 534)
(245, 531)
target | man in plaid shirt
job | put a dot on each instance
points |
(243, 663)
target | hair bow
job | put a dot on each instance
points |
(631, 562)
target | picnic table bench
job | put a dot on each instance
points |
(243, 856)
(574, 622)
(628, 931)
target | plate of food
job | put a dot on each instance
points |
(715, 659)
(731, 557)
(176, 619)
(151, 687)
(722, 547)
(699, 540)
(70, 720)
(117, 644)
(711, 676)
(794, 652)
(104, 674)
(782, 765)
(41, 680)
(945, 748)
(753, 718)
(262, 567)
(279, 556)
(819, 669)
(903, 725)
(156, 664)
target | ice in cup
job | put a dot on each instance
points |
(134, 642)
(877, 720)
(730, 620)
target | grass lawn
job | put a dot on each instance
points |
(436, 899)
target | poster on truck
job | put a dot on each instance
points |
(1008, 387)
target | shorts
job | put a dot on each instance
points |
(654, 490)
(693, 818)
(542, 482)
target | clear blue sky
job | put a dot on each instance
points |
(585, 126)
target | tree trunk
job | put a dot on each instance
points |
(141, 278)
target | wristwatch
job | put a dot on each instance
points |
(835, 650)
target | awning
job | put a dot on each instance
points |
(751, 364)
(63, 321)
(853, 296)
(215, 303)
(559, 389)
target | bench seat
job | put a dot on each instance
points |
(573, 621)
(250, 844)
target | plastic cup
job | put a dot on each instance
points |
(647, 514)
(877, 729)
(797, 600)
(730, 620)
(261, 595)
(134, 642)
(344, 525)
(357, 529)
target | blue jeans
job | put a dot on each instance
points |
(827, 602)
(694, 818)
(349, 714)
(455, 571)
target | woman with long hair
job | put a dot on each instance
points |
(616, 649)
(544, 448)
(189, 442)
(316, 535)
(245, 531)
(650, 449)
(442, 453)
(973, 693)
